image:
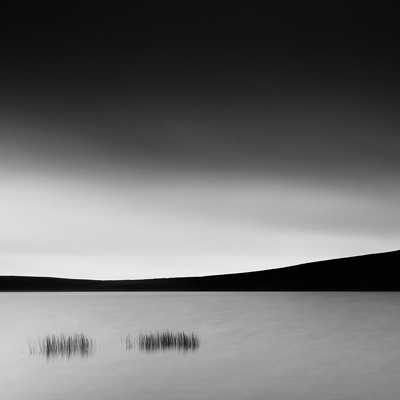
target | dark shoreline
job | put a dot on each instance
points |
(372, 272)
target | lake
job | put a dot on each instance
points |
(269, 345)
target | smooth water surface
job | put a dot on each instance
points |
(253, 346)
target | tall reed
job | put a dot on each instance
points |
(165, 340)
(63, 345)
(128, 343)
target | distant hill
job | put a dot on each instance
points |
(373, 272)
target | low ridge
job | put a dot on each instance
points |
(372, 272)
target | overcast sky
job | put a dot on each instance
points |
(172, 141)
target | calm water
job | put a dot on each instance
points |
(253, 346)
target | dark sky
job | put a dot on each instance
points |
(196, 138)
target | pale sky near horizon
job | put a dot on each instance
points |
(159, 162)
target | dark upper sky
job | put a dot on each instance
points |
(184, 139)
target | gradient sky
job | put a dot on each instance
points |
(175, 140)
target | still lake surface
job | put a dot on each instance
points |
(269, 345)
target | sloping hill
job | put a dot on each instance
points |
(373, 272)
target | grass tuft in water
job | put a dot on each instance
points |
(165, 340)
(63, 345)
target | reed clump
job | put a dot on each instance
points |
(63, 345)
(166, 340)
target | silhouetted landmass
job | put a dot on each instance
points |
(373, 272)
